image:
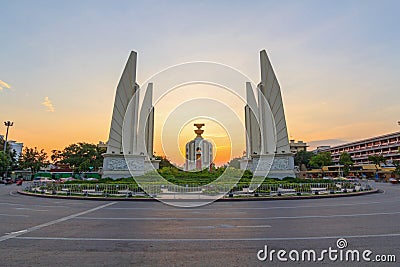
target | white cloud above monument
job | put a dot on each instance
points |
(48, 104)
(4, 85)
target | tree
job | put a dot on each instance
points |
(346, 160)
(320, 160)
(397, 164)
(234, 163)
(377, 159)
(2, 141)
(8, 160)
(164, 162)
(5, 161)
(302, 158)
(56, 156)
(81, 156)
(33, 159)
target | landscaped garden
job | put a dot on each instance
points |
(203, 182)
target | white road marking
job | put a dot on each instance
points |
(13, 215)
(34, 205)
(229, 226)
(262, 208)
(11, 204)
(15, 234)
(236, 218)
(29, 209)
(49, 206)
(253, 226)
(207, 212)
(200, 239)
(12, 194)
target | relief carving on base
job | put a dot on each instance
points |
(135, 164)
(280, 164)
(125, 164)
(264, 164)
(117, 164)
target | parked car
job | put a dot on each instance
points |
(43, 180)
(19, 182)
(8, 181)
(63, 180)
(352, 179)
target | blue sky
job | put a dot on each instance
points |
(337, 61)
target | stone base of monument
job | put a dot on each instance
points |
(272, 166)
(125, 166)
(246, 164)
(151, 164)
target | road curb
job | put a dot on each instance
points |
(350, 194)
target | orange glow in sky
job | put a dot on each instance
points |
(337, 67)
(177, 111)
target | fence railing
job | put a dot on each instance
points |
(132, 190)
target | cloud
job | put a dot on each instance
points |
(3, 85)
(47, 103)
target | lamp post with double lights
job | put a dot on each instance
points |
(8, 124)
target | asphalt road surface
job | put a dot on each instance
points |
(54, 232)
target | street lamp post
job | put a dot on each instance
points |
(8, 124)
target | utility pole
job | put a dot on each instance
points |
(8, 124)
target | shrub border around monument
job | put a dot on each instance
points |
(270, 190)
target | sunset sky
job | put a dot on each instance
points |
(337, 62)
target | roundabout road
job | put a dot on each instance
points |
(47, 232)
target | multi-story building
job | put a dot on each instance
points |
(17, 147)
(297, 146)
(102, 144)
(13, 145)
(387, 145)
(320, 149)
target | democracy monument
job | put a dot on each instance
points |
(130, 144)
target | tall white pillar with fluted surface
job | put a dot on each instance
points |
(127, 144)
(270, 156)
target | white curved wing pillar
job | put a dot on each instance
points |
(126, 88)
(270, 88)
(253, 135)
(146, 124)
